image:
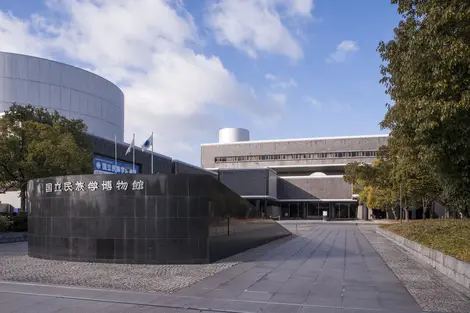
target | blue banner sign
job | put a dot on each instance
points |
(104, 165)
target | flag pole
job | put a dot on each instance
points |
(152, 154)
(115, 153)
(133, 153)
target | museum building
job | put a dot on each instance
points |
(287, 179)
(292, 178)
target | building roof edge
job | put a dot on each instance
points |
(296, 139)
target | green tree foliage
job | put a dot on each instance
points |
(426, 72)
(5, 223)
(374, 182)
(35, 143)
(380, 184)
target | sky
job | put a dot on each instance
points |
(280, 68)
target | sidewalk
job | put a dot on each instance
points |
(339, 222)
(326, 268)
(11, 237)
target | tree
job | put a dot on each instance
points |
(355, 173)
(35, 143)
(373, 183)
(419, 184)
(426, 72)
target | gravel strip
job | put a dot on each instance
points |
(431, 290)
(157, 278)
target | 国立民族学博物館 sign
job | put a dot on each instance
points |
(105, 185)
(103, 165)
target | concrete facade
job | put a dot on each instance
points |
(71, 91)
(307, 173)
(252, 182)
(294, 152)
(332, 187)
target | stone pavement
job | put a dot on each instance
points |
(321, 268)
(432, 290)
(13, 249)
(338, 222)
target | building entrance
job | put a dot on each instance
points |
(314, 210)
(345, 210)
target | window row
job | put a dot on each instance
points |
(296, 156)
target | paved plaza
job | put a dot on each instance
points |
(320, 268)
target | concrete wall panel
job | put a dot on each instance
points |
(246, 183)
(314, 188)
(272, 184)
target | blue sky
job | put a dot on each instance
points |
(269, 66)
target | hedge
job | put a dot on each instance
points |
(18, 222)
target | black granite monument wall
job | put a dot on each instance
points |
(153, 219)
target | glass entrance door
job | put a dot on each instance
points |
(343, 210)
(312, 211)
(324, 206)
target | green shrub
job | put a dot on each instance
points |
(450, 236)
(20, 222)
(5, 223)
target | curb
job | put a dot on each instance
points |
(14, 238)
(304, 222)
(458, 271)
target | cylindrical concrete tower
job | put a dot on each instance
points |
(228, 135)
(71, 91)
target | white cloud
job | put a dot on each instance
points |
(342, 50)
(279, 98)
(332, 105)
(314, 102)
(278, 82)
(270, 76)
(14, 36)
(301, 7)
(143, 44)
(255, 26)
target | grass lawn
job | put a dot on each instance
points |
(449, 236)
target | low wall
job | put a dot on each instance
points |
(456, 270)
(146, 219)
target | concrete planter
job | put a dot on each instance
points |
(458, 271)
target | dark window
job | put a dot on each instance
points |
(322, 155)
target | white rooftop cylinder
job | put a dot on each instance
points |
(228, 135)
